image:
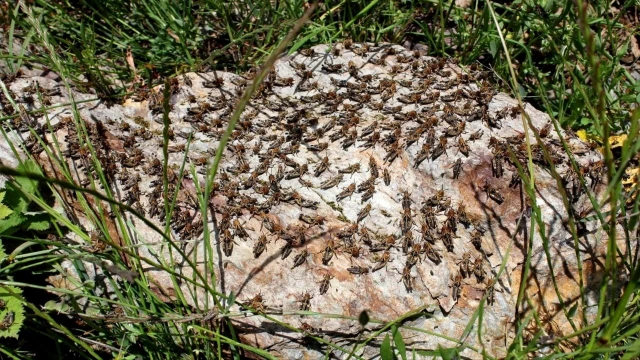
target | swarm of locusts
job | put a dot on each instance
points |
(411, 110)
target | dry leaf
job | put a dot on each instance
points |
(582, 134)
(632, 179)
(617, 141)
(630, 184)
(635, 49)
(137, 79)
(130, 62)
(174, 36)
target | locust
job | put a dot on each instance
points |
(350, 169)
(407, 280)
(387, 177)
(431, 253)
(493, 193)
(364, 212)
(457, 168)
(358, 270)
(324, 284)
(382, 261)
(328, 184)
(456, 287)
(300, 259)
(260, 246)
(347, 192)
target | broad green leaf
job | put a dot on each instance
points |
(386, 353)
(443, 353)
(53, 305)
(4, 210)
(399, 342)
(522, 91)
(14, 198)
(41, 225)
(28, 185)
(3, 253)
(493, 48)
(585, 121)
(622, 50)
(12, 223)
(231, 300)
(12, 312)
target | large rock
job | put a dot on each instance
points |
(386, 174)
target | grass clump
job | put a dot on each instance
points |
(571, 59)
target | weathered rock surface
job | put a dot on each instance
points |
(384, 172)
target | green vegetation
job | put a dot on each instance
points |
(570, 59)
(544, 40)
